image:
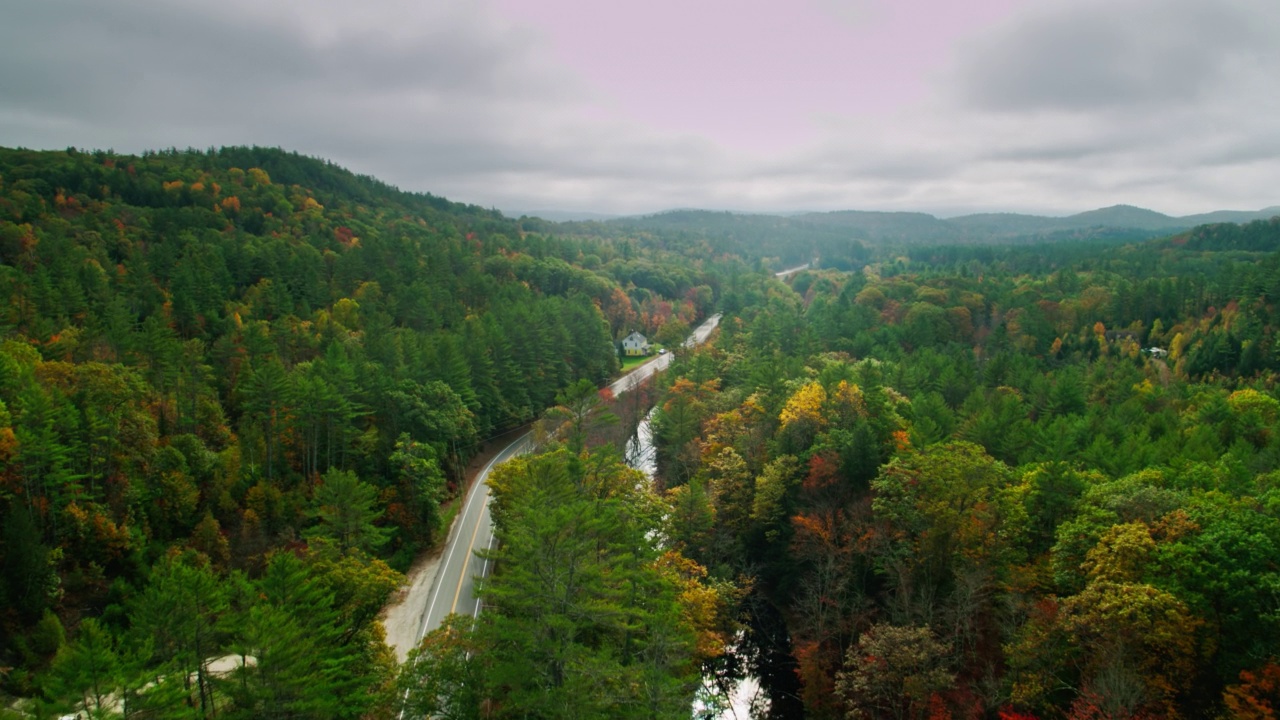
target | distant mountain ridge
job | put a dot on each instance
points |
(922, 228)
(997, 226)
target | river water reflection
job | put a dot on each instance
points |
(733, 693)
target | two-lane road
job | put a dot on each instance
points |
(455, 585)
(462, 568)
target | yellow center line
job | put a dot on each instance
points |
(457, 593)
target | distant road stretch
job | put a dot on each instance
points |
(454, 589)
(636, 377)
(791, 271)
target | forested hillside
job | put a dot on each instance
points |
(985, 482)
(239, 390)
(235, 385)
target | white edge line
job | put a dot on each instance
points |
(426, 617)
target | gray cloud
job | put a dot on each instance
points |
(1069, 105)
(444, 97)
(1092, 55)
(454, 89)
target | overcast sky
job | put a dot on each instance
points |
(619, 106)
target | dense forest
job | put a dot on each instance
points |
(977, 482)
(240, 388)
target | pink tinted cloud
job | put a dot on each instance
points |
(754, 74)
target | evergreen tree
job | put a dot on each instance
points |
(346, 511)
(178, 616)
(89, 668)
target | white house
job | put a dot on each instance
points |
(634, 345)
(1157, 352)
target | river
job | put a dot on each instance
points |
(744, 697)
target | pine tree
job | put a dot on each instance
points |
(178, 616)
(89, 667)
(346, 511)
(421, 481)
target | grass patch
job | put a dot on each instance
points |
(631, 363)
(448, 512)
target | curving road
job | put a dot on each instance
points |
(462, 568)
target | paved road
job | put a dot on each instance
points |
(782, 274)
(643, 372)
(461, 569)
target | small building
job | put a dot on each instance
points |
(635, 345)
(1157, 352)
